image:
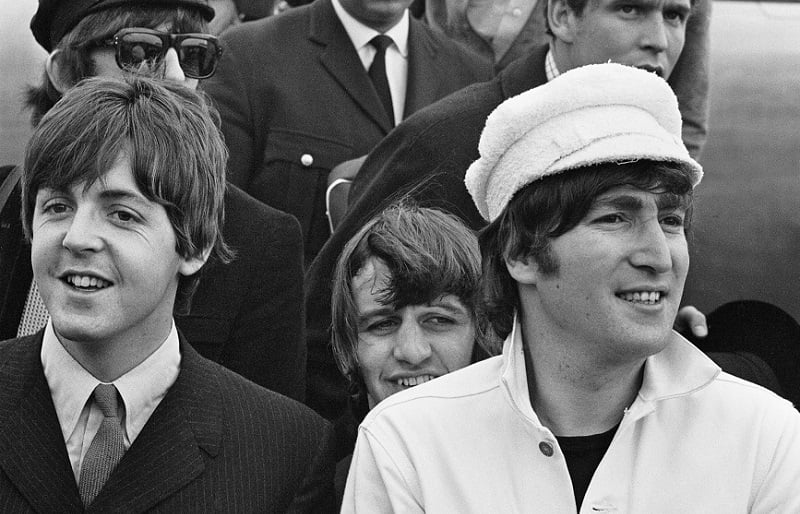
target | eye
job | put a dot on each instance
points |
(675, 16)
(124, 216)
(610, 218)
(55, 207)
(674, 221)
(629, 9)
(440, 320)
(382, 326)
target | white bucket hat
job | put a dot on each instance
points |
(590, 115)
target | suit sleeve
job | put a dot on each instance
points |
(229, 89)
(689, 79)
(316, 493)
(379, 481)
(267, 342)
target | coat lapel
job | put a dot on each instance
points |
(423, 70)
(171, 451)
(340, 59)
(32, 451)
(525, 73)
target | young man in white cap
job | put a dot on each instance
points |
(595, 405)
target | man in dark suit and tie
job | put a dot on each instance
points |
(321, 84)
(108, 408)
(248, 314)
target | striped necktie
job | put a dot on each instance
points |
(107, 447)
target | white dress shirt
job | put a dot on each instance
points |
(71, 387)
(396, 54)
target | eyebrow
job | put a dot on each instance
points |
(125, 194)
(390, 309)
(681, 7)
(624, 202)
(621, 202)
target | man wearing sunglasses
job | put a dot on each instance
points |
(246, 315)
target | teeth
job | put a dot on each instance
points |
(87, 282)
(647, 297)
(413, 381)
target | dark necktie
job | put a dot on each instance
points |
(377, 72)
(106, 449)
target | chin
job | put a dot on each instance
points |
(75, 329)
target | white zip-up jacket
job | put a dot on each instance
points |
(695, 440)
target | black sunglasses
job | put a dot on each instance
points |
(198, 54)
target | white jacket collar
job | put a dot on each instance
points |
(679, 369)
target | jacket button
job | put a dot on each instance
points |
(546, 449)
(306, 160)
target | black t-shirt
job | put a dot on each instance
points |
(583, 455)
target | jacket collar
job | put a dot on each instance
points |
(679, 369)
(524, 73)
(339, 57)
(184, 432)
(32, 450)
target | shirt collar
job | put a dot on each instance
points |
(141, 388)
(679, 369)
(550, 68)
(361, 35)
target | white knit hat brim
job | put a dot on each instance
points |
(568, 124)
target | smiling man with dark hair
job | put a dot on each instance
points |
(596, 404)
(247, 314)
(108, 407)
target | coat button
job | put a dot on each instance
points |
(546, 449)
(306, 160)
(517, 12)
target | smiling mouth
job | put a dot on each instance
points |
(86, 282)
(642, 297)
(414, 381)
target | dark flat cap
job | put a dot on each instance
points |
(55, 18)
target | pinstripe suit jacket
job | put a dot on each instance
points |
(216, 443)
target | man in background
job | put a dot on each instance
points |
(322, 84)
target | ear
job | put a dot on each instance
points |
(523, 270)
(561, 19)
(58, 73)
(191, 265)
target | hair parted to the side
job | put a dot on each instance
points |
(429, 253)
(168, 132)
(76, 46)
(550, 207)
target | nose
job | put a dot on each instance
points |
(411, 345)
(652, 250)
(172, 67)
(83, 234)
(654, 33)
